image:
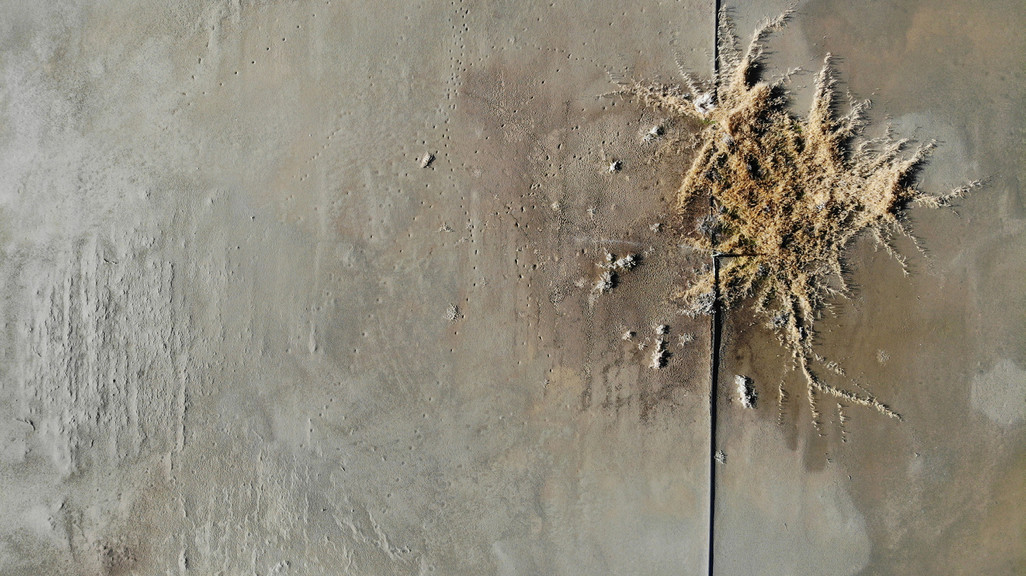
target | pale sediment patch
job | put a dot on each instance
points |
(781, 518)
(1001, 393)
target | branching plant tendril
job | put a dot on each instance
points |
(788, 194)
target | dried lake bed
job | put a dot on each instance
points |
(310, 288)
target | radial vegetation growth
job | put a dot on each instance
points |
(787, 195)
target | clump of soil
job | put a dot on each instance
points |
(786, 195)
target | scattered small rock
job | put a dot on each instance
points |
(605, 282)
(745, 391)
(628, 262)
(659, 355)
(610, 267)
(654, 132)
(452, 313)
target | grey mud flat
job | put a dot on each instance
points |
(305, 288)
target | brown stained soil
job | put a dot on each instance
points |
(786, 197)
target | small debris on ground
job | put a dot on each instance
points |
(659, 355)
(653, 133)
(452, 313)
(605, 282)
(628, 262)
(745, 391)
(610, 268)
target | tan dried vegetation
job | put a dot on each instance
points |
(788, 195)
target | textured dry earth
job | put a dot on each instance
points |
(228, 287)
(245, 332)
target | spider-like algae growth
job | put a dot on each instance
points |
(787, 194)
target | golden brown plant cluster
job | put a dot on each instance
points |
(786, 195)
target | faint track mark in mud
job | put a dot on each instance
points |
(103, 354)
